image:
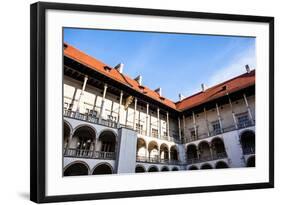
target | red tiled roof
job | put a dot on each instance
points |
(99, 66)
(230, 86)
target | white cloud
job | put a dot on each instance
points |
(234, 68)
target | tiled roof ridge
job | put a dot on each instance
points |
(215, 86)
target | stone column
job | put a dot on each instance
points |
(135, 113)
(183, 126)
(69, 142)
(169, 153)
(248, 108)
(207, 123)
(219, 116)
(147, 120)
(102, 102)
(211, 151)
(168, 127)
(81, 93)
(179, 124)
(158, 122)
(194, 125)
(119, 108)
(233, 114)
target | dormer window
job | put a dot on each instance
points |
(141, 87)
(107, 68)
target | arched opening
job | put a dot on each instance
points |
(108, 141)
(193, 168)
(139, 169)
(251, 162)
(76, 169)
(174, 153)
(175, 169)
(153, 151)
(191, 153)
(152, 169)
(102, 169)
(248, 142)
(141, 150)
(83, 142)
(164, 152)
(204, 150)
(206, 166)
(221, 165)
(164, 169)
(66, 134)
(218, 148)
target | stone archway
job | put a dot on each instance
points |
(107, 141)
(103, 169)
(153, 151)
(251, 162)
(218, 148)
(76, 169)
(206, 166)
(83, 142)
(165, 169)
(153, 169)
(204, 150)
(247, 139)
(139, 169)
(193, 168)
(221, 165)
(191, 153)
(174, 153)
(66, 134)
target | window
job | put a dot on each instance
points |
(193, 133)
(112, 118)
(154, 132)
(66, 106)
(139, 128)
(91, 113)
(243, 120)
(216, 127)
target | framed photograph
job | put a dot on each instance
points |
(129, 102)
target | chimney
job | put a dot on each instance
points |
(247, 68)
(203, 86)
(159, 91)
(139, 79)
(181, 97)
(119, 67)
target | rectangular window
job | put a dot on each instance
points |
(90, 112)
(243, 120)
(216, 127)
(193, 134)
(154, 132)
(139, 128)
(66, 106)
(112, 118)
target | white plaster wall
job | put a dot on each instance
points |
(126, 160)
(233, 149)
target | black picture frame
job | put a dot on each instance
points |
(38, 100)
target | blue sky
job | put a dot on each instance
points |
(178, 63)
